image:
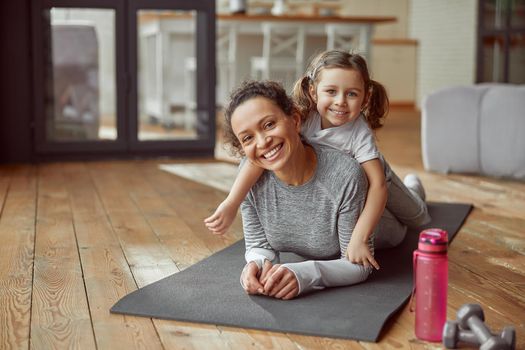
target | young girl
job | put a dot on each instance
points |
(341, 106)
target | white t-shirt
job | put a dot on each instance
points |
(354, 138)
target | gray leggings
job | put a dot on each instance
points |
(404, 208)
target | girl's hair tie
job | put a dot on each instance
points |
(310, 76)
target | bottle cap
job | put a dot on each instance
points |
(433, 240)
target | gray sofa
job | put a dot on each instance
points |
(476, 129)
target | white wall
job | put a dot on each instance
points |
(393, 8)
(446, 31)
(395, 65)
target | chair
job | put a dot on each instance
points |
(349, 37)
(283, 51)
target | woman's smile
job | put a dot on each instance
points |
(273, 153)
(268, 137)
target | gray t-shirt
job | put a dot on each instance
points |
(314, 220)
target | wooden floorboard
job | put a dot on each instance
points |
(60, 317)
(76, 237)
(107, 274)
(17, 235)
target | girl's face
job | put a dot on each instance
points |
(339, 95)
(268, 137)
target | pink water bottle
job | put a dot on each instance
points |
(431, 282)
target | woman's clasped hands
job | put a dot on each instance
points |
(275, 281)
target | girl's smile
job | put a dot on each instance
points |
(339, 114)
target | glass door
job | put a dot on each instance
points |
(78, 101)
(122, 77)
(172, 45)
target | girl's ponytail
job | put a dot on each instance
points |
(376, 107)
(301, 96)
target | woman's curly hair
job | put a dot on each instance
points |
(248, 90)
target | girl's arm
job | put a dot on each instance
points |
(225, 213)
(358, 251)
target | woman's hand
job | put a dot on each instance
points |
(250, 282)
(280, 283)
(358, 253)
(263, 276)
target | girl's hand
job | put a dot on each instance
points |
(250, 282)
(358, 253)
(222, 219)
(281, 283)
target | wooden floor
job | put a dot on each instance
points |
(76, 237)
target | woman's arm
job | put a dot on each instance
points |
(222, 218)
(318, 274)
(259, 254)
(258, 249)
(358, 251)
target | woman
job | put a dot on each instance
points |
(307, 201)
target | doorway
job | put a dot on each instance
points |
(123, 78)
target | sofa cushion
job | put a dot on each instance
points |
(450, 129)
(475, 129)
(502, 132)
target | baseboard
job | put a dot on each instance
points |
(403, 104)
(394, 41)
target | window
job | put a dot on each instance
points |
(501, 41)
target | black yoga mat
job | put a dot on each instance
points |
(209, 292)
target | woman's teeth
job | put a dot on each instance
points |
(272, 152)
